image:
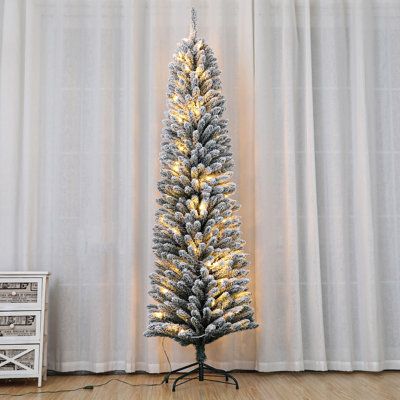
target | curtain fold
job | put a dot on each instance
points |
(313, 93)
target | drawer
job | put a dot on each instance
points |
(19, 326)
(19, 361)
(20, 293)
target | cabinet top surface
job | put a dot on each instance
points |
(23, 273)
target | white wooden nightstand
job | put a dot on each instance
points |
(23, 324)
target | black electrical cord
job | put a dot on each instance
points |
(166, 355)
(81, 388)
(91, 387)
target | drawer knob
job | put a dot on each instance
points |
(13, 293)
(12, 326)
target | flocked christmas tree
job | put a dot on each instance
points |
(200, 283)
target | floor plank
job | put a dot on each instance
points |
(253, 386)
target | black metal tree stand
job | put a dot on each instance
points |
(201, 371)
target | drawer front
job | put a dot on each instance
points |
(19, 326)
(19, 361)
(20, 293)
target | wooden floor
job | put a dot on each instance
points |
(274, 386)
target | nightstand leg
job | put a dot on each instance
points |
(40, 381)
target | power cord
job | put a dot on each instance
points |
(166, 355)
(91, 387)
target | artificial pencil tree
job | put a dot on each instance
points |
(200, 282)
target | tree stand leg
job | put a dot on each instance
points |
(166, 377)
(200, 370)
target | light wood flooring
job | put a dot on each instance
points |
(265, 386)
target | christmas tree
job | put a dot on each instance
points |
(200, 282)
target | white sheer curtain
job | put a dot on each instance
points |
(313, 97)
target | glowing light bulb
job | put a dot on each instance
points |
(158, 315)
(176, 231)
(203, 207)
(176, 167)
(194, 108)
(181, 147)
(191, 205)
(241, 294)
